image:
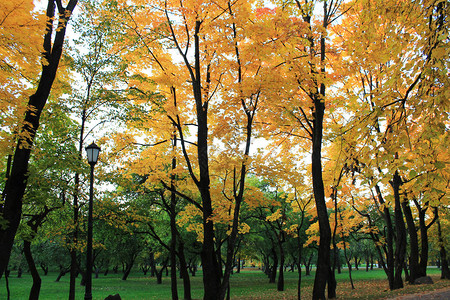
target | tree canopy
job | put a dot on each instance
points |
(316, 122)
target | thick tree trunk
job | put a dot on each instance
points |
(11, 210)
(389, 265)
(414, 272)
(211, 270)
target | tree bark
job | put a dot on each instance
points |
(299, 267)
(36, 287)
(184, 272)
(173, 226)
(400, 244)
(323, 270)
(280, 284)
(273, 269)
(389, 248)
(445, 271)
(423, 262)
(413, 244)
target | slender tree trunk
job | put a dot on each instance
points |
(62, 272)
(239, 187)
(238, 264)
(280, 284)
(423, 263)
(184, 272)
(400, 249)
(273, 269)
(160, 272)
(36, 287)
(173, 225)
(323, 270)
(299, 267)
(367, 261)
(73, 251)
(307, 263)
(349, 263)
(11, 210)
(128, 266)
(211, 270)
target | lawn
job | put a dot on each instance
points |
(249, 284)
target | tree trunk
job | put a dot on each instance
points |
(15, 185)
(73, 251)
(423, 263)
(184, 272)
(445, 271)
(307, 263)
(127, 270)
(323, 270)
(36, 287)
(62, 272)
(414, 272)
(299, 267)
(389, 265)
(338, 261)
(173, 228)
(400, 242)
(160, 272)
(349, 263)
(280, 284)
(273, 269)
(44, 269)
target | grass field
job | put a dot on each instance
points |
(249, 284)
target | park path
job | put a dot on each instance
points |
(441, 294)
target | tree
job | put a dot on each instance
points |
(227, 70)
(304, 56)
(14, 189)
(391, 94)
(95, 96)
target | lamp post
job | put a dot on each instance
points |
(92, 152)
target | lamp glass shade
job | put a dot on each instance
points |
(92, 152)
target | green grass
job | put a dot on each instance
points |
(249, 284)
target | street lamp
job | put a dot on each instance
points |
(92, 152)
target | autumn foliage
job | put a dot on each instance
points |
(324, 122)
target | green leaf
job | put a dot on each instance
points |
(439, 165)
(412, 174)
